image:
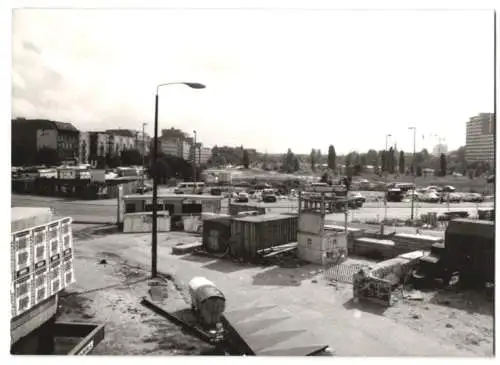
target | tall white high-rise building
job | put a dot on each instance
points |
(480, 138)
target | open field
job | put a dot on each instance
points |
(461, 183)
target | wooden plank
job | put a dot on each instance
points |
(290, 249)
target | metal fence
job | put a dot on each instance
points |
(342, 272)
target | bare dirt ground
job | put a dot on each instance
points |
(462, 318)
(108, 290)
(456, 319)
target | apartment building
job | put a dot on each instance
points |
(31, 135)
(99, 144)
(480, 138)
(84, 147)
(203, 154)
(120, 140)
(176, 143)
(143, 143)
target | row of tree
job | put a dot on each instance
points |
(390, 161)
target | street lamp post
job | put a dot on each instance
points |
(194, 157)
(414, 169)
(143, 151)
(154, 230)
(385, 173)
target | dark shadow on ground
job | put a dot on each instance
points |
(225, 266)
(285, 276)
(197, 258)
(471, 301)
(365, 306)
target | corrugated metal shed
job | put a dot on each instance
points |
(253, 233)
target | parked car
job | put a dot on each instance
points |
(359, 199)
(190, 188)
(410, 193)
(431, 188)
(268, 196)
(473, 198)
(448, 189)
(242, 197)
(453, 197)
(431, 197)
(216, 191)
(144, 188)
(394, 195)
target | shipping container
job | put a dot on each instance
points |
(216, 234)
(250, 234)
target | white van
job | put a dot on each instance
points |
(190, 188)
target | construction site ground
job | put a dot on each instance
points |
(112, 273)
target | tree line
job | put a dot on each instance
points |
(391, 161)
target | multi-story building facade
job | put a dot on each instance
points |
(31, 135)
(439, 149)
(120, 140)
(143, 143)
(176, 143)
(99, 145)
(480, 138)
(205, 155)
(84, 147)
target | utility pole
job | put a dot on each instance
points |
(143, 152)
(194, 157)
(414, 170)
(385, 173)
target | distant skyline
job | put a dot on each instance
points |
(275, 79)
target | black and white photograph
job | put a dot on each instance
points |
(251, 181)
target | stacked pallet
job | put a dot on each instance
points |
(41, 257)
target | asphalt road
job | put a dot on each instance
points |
(104, 211)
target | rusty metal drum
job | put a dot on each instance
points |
(207, 301)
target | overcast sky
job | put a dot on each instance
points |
(275, 79)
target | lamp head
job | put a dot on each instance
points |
(195, 85)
